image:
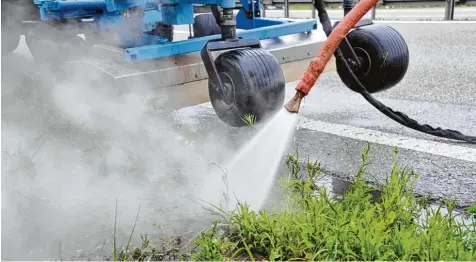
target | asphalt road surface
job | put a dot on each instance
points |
(439, 89)
(436, 13)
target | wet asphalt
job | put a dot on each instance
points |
(439, 89)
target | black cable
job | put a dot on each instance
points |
(323, 16)
(399, 117)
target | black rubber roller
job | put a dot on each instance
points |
(253, 84)
(205, 25)
(50, 45)
(164, 30)
(383, 54)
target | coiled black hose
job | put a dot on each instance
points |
(399, 117)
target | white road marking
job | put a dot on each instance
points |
(382, 138)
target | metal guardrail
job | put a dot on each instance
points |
(286, 4)
(449, 9)
(382, 2)
(448, 14)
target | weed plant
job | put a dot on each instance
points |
(315, 226)
(471, 209)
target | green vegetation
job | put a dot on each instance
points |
(315, 226)
(472, 209)
(249, 119)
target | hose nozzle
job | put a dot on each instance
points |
(295, 103)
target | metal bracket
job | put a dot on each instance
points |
(222, 45)
(360, 23)
(348, 52)
(217, 12)
(346, 48)
(249, 14)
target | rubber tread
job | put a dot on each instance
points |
(274, 99)
(205, 25)
(388, 53)
(259, 85)
(45, 50)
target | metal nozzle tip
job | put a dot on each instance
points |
(295, 103)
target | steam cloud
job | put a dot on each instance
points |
(72, 147)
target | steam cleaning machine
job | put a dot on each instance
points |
(132, 42)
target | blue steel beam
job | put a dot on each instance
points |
(195, 45)
(50, 10)
(222, 3)
(249, 7)
(69, 9)
(243, 22)
(180, 14)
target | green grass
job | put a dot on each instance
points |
(249, 119)
(471, 209)
(314, 226)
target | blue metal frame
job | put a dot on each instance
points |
(196, 44)
(126, 16)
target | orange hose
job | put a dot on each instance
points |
(337, 35)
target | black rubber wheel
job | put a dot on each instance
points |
(254, 84)
(51, 46)
(164, 30)
(205, 25)
(384, 56)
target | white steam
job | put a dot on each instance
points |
(71, 149)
